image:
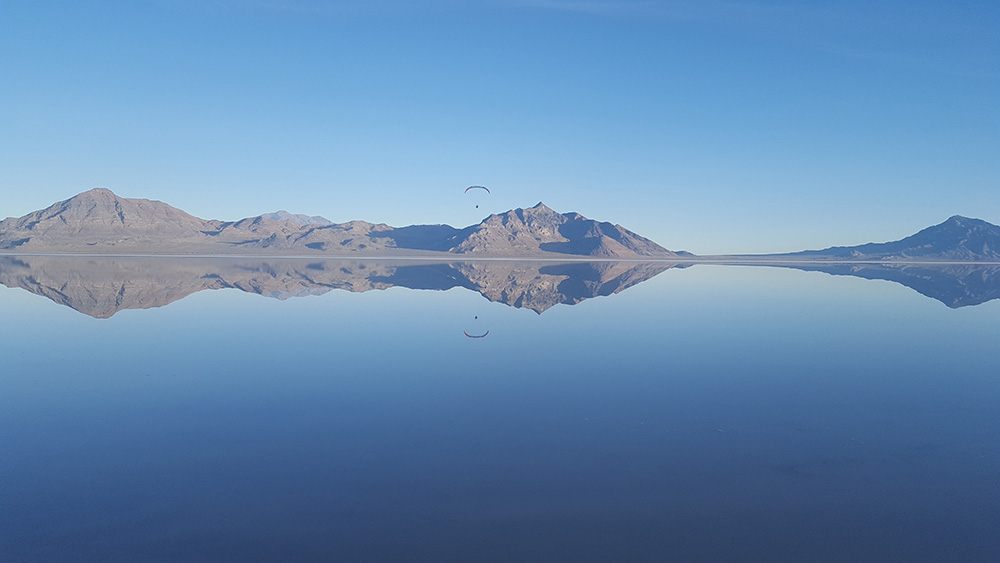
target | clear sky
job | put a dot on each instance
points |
(707, 125)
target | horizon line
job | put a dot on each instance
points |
(718, 259)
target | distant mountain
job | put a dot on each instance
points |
(280, 221)
(101, 286)
(99, 221)
(958, 238)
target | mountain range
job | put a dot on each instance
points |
(99, 221)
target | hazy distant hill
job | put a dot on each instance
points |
(100, 221)
(958, 238)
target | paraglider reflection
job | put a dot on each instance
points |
(475, 334)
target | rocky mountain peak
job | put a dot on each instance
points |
(525, 231)
(541, 208)
(95, 193)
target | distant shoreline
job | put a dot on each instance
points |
(721, 260)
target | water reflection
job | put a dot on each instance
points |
(713, 414)
(955, 285)
(102, 286)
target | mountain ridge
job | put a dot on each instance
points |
(98, 220)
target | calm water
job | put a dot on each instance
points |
(198, 410)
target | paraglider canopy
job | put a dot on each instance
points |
(484, 188)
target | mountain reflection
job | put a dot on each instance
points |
(102, 286)
(955, 285)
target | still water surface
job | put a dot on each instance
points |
(155, 410)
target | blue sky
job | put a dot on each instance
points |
(712, 126)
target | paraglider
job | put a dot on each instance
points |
(484, 188)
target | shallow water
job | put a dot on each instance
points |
(163, 410)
